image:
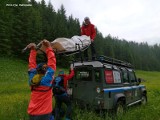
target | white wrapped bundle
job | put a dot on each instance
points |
(61, 45)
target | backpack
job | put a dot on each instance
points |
(58, 85)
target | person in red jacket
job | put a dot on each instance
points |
(60, 93)
(40, 81)
(88, 29)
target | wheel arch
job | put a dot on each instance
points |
(119, 97)
(144, 92)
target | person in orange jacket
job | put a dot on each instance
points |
(60, 93)
(88, 29)
(40, 81)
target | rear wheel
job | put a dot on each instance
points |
(120, 108)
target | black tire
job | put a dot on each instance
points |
(120, 108)
(144, 100)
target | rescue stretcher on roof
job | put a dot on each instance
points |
(68, 46)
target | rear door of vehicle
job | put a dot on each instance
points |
(84, 85)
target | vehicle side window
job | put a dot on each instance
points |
(125, 76)
(117, 76)
(83, 74)
(97, 76)
(132, 76)
(112, 76)
(109, 76)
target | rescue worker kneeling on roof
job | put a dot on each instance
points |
(40, 81)
(60, 93)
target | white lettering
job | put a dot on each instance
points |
(14, 5)
(25, 5)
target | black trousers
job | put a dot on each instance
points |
(93, 52)
(40, 117)
(59, 100)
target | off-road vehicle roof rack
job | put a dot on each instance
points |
(114, 61)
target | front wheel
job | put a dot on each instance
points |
(144, 100)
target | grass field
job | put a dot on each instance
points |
(15, 94)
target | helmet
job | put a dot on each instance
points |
(41, 68)
(86, 18)
(36, 79)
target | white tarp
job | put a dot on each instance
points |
(70, 45)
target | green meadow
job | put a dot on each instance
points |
(15, 95)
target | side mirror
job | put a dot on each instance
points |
(139, 80)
